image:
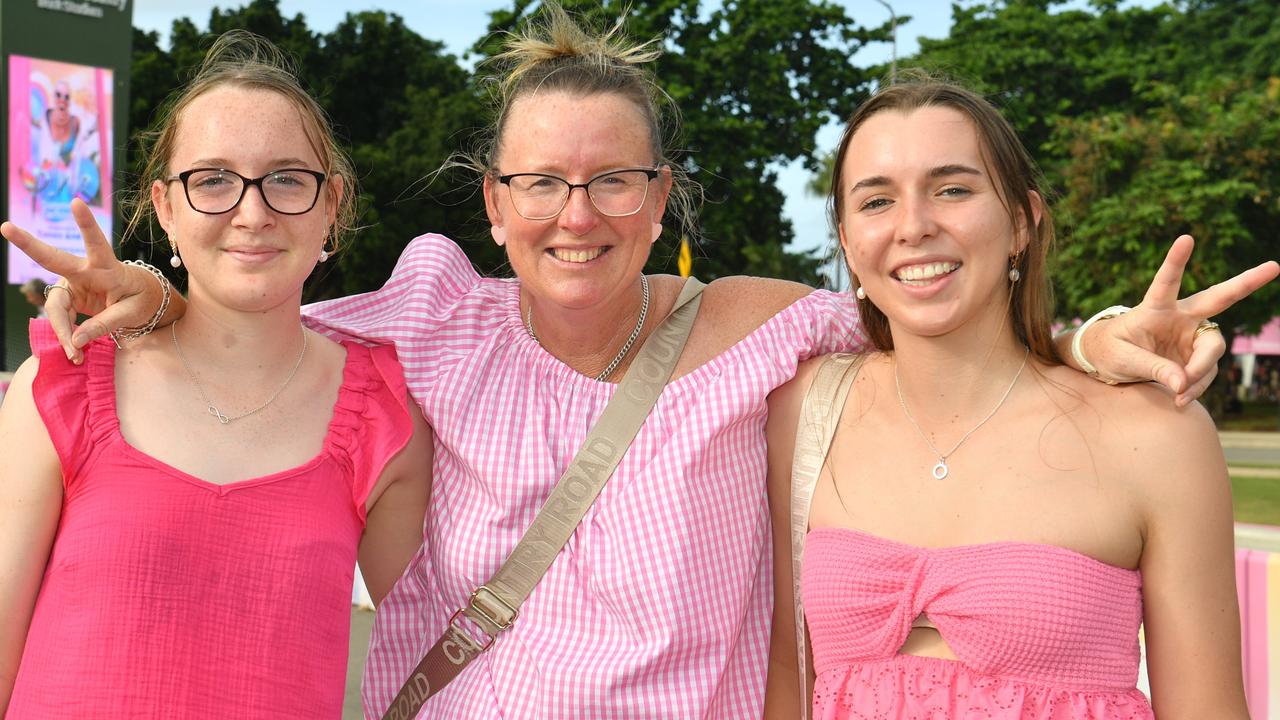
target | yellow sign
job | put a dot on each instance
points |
(685, 263)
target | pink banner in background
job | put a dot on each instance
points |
(1266, 342)
(59, 149)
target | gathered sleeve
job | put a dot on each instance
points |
(819, 323)
(371, 422)
(832, 323)
(431, 280)
(76, 402)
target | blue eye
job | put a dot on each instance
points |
(285, 179)
(210, 181)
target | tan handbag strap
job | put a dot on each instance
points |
(819, 416)
(494, 605)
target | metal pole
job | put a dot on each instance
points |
(893, 24)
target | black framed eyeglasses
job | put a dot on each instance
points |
(616, 194)
(214, 191)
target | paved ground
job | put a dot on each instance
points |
(1252, 449)
(1266, 440)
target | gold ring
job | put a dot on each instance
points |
(55, 286)
(1206, 326)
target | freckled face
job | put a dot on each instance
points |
(581, 258)
(922, 226)
(251, 258)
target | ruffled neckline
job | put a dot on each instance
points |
(357, 383)
(544, 361)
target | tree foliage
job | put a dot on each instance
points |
(1205, 163)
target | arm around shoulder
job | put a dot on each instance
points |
(30, 505)
(1191, 615)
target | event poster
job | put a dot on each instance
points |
(59, 149)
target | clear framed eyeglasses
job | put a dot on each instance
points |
(616, 194)
(214, 191)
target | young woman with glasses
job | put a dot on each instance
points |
(658, 606)
(180, 514)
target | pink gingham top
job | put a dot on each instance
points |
(1040, 632)
(660, 604)
(167, 596)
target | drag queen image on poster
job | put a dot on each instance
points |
(59, 149)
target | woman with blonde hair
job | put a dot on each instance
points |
(658, 605)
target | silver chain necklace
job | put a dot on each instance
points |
(940, 471)
(626, 346)
(213, 410)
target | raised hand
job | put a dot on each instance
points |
(98, 284)
(1158, 341)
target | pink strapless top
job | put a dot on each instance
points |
(1038, 631)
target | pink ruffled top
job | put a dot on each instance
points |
(167, 596)
(1040, 632)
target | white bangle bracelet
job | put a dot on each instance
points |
(1077, 346)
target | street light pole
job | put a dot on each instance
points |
(893, 25)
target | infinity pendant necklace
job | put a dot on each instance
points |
(940, 471)
(212, 409)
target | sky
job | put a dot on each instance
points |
(459, 23)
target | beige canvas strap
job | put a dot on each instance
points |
(494, 605)
(819, 416)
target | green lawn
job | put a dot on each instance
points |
(1257, 500)
(1253, 417)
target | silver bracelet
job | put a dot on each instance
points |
(1077, 344)
(133, 333)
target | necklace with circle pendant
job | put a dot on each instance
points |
(940, 470)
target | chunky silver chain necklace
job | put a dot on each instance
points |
(213, 410)
(626, 346)
(940, 471)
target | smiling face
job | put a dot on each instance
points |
(922, 224)
(250, 258)
(61, 99)
(581, 258)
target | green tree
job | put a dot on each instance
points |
(1205, 163)
(405, 105)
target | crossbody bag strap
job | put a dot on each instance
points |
(819, 416)
(494, 605)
